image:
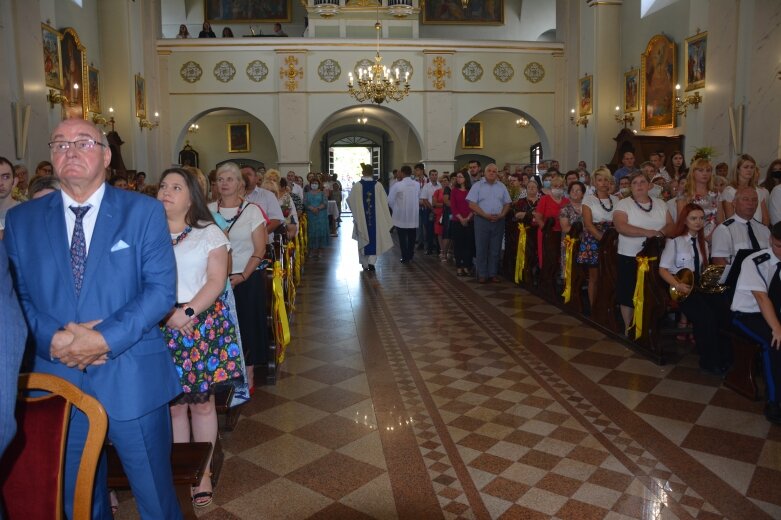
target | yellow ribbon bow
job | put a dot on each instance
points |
(280, 313)
(520, 255)
(569, 246)
(304, 236)
(639, 296)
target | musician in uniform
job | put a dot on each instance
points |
(756, 310)
(688, 250)
(740, 232)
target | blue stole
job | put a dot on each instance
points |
(367, 187)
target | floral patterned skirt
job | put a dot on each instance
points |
(211, 355)
(588, 253)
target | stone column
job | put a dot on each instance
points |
(438, 145)
(293, 112)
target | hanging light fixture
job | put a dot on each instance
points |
(521, 123)
(464, 4)
(363, 119)
(378, 83)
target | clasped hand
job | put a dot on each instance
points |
(79, 345)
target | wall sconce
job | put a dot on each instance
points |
(149, 125)
(55, 97)
(100, 119)
(627, 119)
(193, 129)
(521, 123)
(682, 104)
(578, 121)
(363, 119)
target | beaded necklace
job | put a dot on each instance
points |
(603, 206)
(650, 207)
(181, 235)
(236, 216)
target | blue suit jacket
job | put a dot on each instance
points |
(129, 283)
(13, 332)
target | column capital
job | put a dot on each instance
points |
(598, 3)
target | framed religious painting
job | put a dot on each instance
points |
(93, 76)
(140, 95)
(632, 91)
(237, 11)
(238, 137)
(472, 135)
(74, 75)
(586, 95)
(696, 48)
(456, 12)
(657, 87)
(52, 56)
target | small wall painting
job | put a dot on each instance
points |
(632, 91)
(269, 11)
(238, 137)
(476, 12)
(52, 56)
(696, 48)
(94, 90)
(74, 75)
(585, 95)
(472, 135)
(140, 95)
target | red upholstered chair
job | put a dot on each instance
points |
(31, 471)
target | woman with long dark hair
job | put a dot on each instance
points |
(462, 228)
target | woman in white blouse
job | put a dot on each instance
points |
(247, 233)
(199, 330)
(636, 218)
(597, 218)
(746, 174)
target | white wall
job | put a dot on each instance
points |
(502, 139)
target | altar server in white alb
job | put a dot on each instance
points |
(371, 218)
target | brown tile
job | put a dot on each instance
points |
(727, 398)
(765, 485)
(331, 399)
(488, 390)
(610, 479)
(477, 442)
(693, 375)
(551, 417)
(537, 402)
(456, 508)
(577, 510)
(217, 514)
(632, 506)
(248, 434)
(516, 512)
(261, 401)
(469, 424)
(559, 484)
(630, 381)
(337, 511)
(725, 444)
(238, 477)
(328, 354)
(457, 407)
(588, 455)
(448, 392)
(497, 404)
(597, 359)
(332, 431)
(330, 374)
(334, 475)
(671, 408)
(505, 489)
(490, 463)
(508, 419)
(524, 438)
(563, 433)
(540, 459)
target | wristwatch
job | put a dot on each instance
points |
(188, 311)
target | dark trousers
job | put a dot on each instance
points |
(407, 243)
(427, 223)
(755, 327)
(251, 311)
(488, 246)
(713, 347)
(463, 243)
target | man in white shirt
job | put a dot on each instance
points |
(732, 235)
(403, 200)
(294, 187)
(427, 211)
(265, 199)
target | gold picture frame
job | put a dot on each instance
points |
(632, 90)
(93, 81)
(657, 80)
(695, 56)
(586, 95)
(52, 56)
(472, 135)
(75, 83)
(140, 95)
(238, 137)
(248, 11)
(476, 12)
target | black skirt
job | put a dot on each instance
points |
(251, 311)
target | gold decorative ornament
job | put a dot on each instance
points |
(291, 73)
(191, 72)
(439, 72)
(534, 72)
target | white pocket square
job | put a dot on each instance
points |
(119, 246)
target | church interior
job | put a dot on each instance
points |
(410, 392)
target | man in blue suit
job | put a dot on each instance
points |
(95, 273)
(13, 332)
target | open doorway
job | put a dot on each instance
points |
(345, 158)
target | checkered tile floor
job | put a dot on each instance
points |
(410, 393)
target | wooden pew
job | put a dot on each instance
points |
(188, 463)
(655, 302)
(551, 252)
(575, 304)
(531, 265)
(742, 377)
(604, 311)
(223, 395)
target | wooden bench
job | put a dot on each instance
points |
(742, 377)
(188, 463)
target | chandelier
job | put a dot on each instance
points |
(378, 83)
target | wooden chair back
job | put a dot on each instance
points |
(655, 300)
(33, 466)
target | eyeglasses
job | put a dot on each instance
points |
(83, 145)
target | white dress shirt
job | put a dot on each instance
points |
(755, 275)
(403, 199)
(678, 254)
(731, 236)
(90, 218)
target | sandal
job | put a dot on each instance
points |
(203, 499)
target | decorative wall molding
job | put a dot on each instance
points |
(224, 71)
(257, 71)
(291, 73)
(329, 70)
(191, 72)
(472, 71)
(534, 72)
(504, 72)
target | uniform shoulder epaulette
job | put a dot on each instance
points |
(764, 257)
(728, 221)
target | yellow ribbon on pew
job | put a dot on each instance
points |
(280, 313)
(304, 236)
(297, 258)
(569, 246)
(290, 272)
(639, 296)
(520, 255)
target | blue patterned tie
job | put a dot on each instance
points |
(78, 247)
